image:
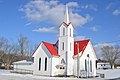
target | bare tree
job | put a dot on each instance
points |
(3, 43)
(7, 52)
(9, 55)
(31, 48)
(111, 54)
(26, 47)
(22, 43)
(10, 52)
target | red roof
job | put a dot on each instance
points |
(51, 48)
(82, 45)
(67, 24)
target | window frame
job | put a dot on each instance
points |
(91, 66)
(70, 32)
(63, 31)
(63, 46)
(85, 65)
(39, 63)
(45, 63)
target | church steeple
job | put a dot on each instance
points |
(66, 19)
(66, 44)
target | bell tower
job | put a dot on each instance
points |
(66, 43)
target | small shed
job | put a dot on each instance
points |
(103, 65)
(24, 66)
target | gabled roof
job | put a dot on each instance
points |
(81, 44)
(66, 24)
(54, 52)
(51, 48)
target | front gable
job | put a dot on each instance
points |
(45, 48)
(46, 51)
(81, 45)
(37, 50)
(85, 48)
(41, 51)
(93, 50)
(89, 51)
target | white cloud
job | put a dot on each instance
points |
(116, 12)
(100, 45)
(44, 29)
(93, 7)
(27, 24)
(52, 12)
(89, 6)
(93, 28)
(109, 5)
(77, 38)
(79, 20)
(73, 4)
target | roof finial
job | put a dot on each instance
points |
(66, 19)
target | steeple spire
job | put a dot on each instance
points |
(66, 19)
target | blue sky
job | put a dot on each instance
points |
(39, 20)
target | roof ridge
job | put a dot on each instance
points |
(48, 42)
(82, 40)
(51, 48)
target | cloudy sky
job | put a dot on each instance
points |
(39, 20)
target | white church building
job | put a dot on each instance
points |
(65, 57)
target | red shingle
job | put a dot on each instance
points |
(82, 45)
(51, 48)
(54, 52)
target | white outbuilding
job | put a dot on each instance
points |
(24, 66)
(103, 65)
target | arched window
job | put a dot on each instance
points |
(63, 45)
(40, 63)
(70, 32)
(63, 31)
(45, 63)
(85, 65)
(90, 65)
